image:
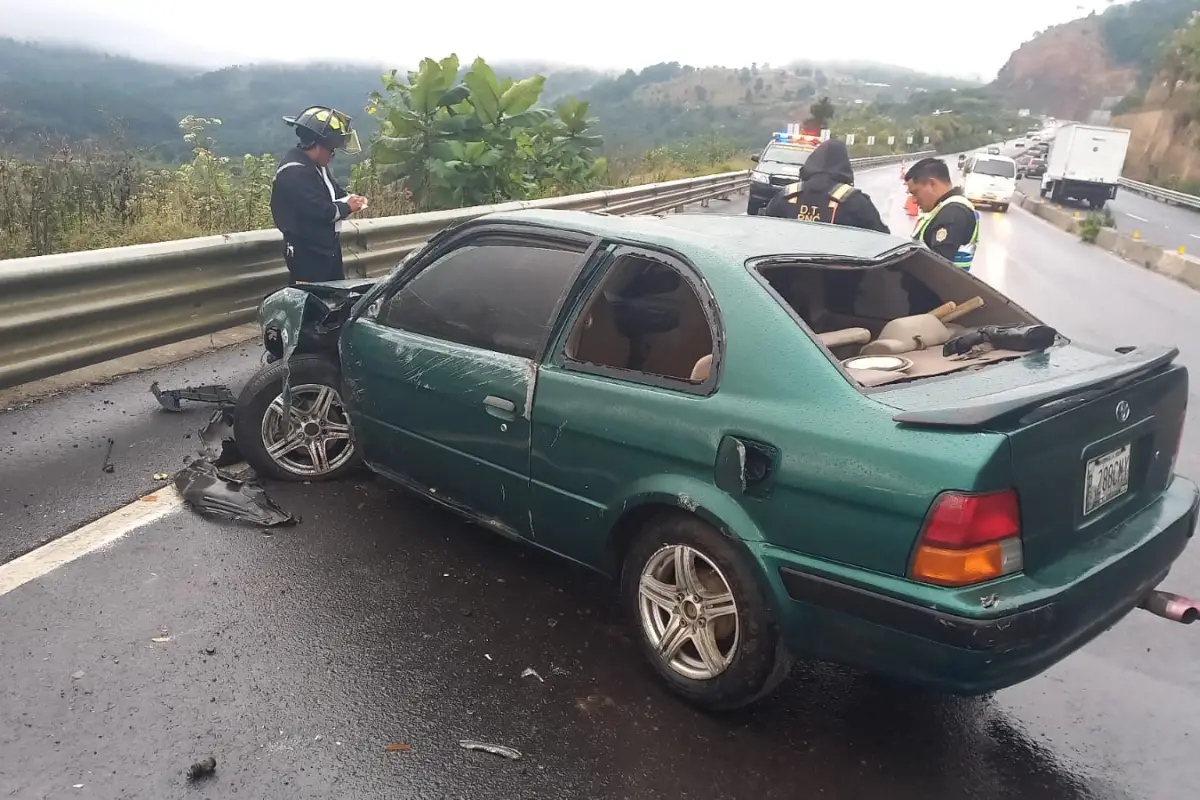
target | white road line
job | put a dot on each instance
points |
(88, 539)
(1194, 236)
(1135, 216)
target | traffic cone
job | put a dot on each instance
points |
(910, 206)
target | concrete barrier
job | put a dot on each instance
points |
(1183, 268)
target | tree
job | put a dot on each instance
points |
(455, 144)
(821, 112)
(701, 94)
(820, 79)
(758, 84)
(749, 96)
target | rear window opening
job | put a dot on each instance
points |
(881, 311)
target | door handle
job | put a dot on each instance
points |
(500, 404)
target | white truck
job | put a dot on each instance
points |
(1085, 163)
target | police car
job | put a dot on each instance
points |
(778, 165)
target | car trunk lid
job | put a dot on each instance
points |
(1092, 436)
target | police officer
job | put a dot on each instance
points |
(826, 193)
(307, 204)
(950, 225)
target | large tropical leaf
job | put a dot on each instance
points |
(522, 95)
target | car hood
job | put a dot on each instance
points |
(779, 168)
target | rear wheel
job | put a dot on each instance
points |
(1003, 208)
(703, 622)
(753, 209)
(318, 444)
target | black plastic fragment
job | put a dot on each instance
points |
(210, 490)
(213, 393)
(216, 439)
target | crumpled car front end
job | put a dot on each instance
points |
(308, 317)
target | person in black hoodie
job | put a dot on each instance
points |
(307, 204)
(826, 193)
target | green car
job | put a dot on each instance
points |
(756, 426)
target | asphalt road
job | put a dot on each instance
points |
(295, 658)
(1171, 227)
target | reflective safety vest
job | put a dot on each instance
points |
(814, 206)
(966, 253)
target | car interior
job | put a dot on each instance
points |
(908, 309)
(647, 318)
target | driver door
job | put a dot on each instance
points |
(441, 371)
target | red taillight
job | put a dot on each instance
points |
(969, 538)
(962, 520)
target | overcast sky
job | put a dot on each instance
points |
(968, 38)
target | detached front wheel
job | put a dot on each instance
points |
(703, 623)
(315, 441)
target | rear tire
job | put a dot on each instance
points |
(728, 659)
(753, 209)
(1003, 208)
(323, 445)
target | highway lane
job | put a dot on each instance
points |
(381, 620)
(1171, 227)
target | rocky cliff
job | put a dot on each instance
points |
(1065, 72)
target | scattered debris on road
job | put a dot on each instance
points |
(162, 476)
(210, 490)
(495, 749)
(108, 465)
(397, 748)
(216, 439)
(169, 398)
(202, 769)
(78, 675)
(530, 672)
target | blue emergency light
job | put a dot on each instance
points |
(807, 139)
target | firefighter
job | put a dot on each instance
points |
(949, 225)
(826, 193)
(307, 203)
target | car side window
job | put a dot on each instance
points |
(645, 320)
(494, 296)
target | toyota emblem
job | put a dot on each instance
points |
(1123, 411)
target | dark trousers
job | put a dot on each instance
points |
(307, 265)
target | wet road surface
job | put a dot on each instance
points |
(295, 658)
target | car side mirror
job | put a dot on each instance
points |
(754, 159)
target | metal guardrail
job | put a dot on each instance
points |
(1162, 195)
(71, 310)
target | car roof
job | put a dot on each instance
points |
(994, 157)
(731, 238)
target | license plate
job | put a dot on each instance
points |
(1107, 478)
(989, 196)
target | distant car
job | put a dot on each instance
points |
(1036, 168)
(682, 402)
(1022, 164)
(1018, 143)
(990, 180)
(993, 151)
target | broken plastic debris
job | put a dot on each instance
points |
(161, 476)
(530, 672)
(78, 675)
(210, 490)
(494, 749)
(108, 466)
(202, 768)
(396, 748)
(169, 398)
(216, 439)
(160, 639)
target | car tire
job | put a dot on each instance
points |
(753, 209)
(1003, 208)
(749, 660)
(258, 417)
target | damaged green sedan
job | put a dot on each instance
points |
(787, 440)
